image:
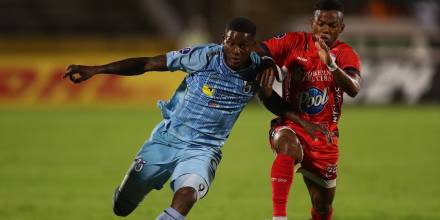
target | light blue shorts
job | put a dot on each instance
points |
(164, 156)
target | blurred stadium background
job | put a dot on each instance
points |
(64, 147)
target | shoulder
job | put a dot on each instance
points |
(209, 47)
(344, 49)
(290, 35)
(213, 50)
(199, 52)
(295, 39)
(192, 59)
(346, 56)
(287, 37)
(199, 49)
(285, 43)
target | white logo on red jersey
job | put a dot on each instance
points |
(302, 59)
(318, 76)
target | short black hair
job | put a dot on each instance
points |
(242, 24)
(329, 5)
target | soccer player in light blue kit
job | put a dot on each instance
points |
(185, 145)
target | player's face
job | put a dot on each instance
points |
(327, 25)
(238, 46)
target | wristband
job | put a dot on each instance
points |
(281, 72)
(268, 58)
(332, 66)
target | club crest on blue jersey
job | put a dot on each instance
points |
(313, 100)
(185, 50)
(247, 87)
(139, 164)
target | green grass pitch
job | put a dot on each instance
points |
(65, 163)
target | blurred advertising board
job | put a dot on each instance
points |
(37, 79)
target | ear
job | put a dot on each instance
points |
(314, 17)
(342, 27)
(253, 46)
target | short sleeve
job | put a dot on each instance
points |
(279, 47)
(190, 59)
(349, 59)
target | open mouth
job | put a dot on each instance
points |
(235, 60)
(324, 37)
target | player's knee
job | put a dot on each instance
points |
(184, 199)
(122, 207)
(286, 142)
(191, 186)
(188, 188)
(187, 194)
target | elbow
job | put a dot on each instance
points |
(353, 92)
(353, 89)
(157, 63)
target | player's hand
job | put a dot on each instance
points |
(311, 129)
(78, 73)
(323, 51)
(266, 79)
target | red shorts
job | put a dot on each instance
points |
(320, 157)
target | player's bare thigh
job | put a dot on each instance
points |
(285, 141)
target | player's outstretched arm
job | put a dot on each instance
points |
(349, 83)
(127, 67)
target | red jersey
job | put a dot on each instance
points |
(309, 87)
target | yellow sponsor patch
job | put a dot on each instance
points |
(208, 91)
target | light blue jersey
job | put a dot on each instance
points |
(197, 121)
(208, 102)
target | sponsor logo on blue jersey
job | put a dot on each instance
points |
(313, 100)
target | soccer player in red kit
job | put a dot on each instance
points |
(319, 69)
